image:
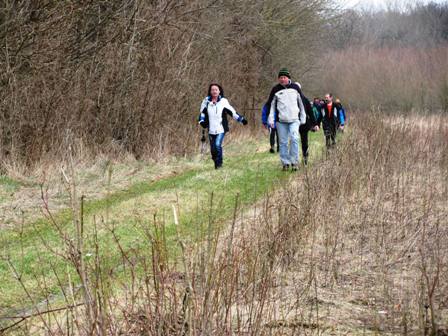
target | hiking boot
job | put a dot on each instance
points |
(286, 167)
(294, 167)
(271, 150)
(305, 161)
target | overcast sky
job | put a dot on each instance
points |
(382, 3)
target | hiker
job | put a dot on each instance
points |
(341, 115)
(329, 115)
(310, 125)
(213, 115)
(316, 110)
(272, 131)
(286, 113)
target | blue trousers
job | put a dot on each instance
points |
(288, 133)
(216, 148)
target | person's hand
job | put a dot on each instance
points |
(316, 128)
(244, 121)
(341, 127)
(272, 125)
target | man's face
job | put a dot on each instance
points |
(283, 80)
(328, 98)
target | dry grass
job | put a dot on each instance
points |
(97, 176)
(370, 254)
(94, 181)
(355, 244)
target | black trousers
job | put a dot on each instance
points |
(304, 141)
(330, 135)
(272, 135)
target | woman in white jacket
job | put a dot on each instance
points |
(213, 115)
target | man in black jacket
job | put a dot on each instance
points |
(286, 114)
(329, 111)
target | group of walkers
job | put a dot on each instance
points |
(287, 114)
(331, 115)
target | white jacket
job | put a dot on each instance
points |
(216, 114)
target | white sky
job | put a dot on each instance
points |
(382, 3)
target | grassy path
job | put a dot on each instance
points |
(250, 172)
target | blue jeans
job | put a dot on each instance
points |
(216, 148)
(288, 132)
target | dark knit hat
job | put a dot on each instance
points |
(284, 72)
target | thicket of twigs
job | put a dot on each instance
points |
(130, 75)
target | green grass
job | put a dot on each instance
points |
(247, 172)
(8, 183)
(8, 186)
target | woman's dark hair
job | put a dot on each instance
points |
(221, 91)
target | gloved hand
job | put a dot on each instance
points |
(202, 123)
(244, 121)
